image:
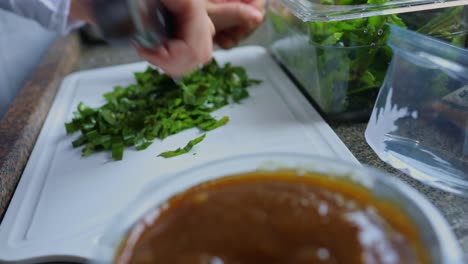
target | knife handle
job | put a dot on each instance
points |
(147, 22)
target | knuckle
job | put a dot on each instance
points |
(240, 10)
(203, 56)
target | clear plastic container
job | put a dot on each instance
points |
(334, 10)
(435, 233)
(420, 120)
(341, 65)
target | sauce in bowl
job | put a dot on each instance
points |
(274, 217)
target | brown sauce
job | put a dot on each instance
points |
(274, 217)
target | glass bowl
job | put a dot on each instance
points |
(434, 231)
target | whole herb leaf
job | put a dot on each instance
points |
(155, 107)
(186, 149)
(445, 25)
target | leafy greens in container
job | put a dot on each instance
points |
(156, 107)
(352, 55)
(342, 64)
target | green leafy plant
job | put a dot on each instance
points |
(156, 107)
(447, 25)
(352, 56)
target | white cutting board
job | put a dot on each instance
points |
(64, 201)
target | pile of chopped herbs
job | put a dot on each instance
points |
(156, 107)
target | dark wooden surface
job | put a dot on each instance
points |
(20, 126)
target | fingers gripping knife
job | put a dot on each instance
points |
(146, 22)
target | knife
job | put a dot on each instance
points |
(146, 22)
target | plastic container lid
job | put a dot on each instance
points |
(313, 10)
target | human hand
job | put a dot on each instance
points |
(234, 20)
(193, 42)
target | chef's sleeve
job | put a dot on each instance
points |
(51, 14)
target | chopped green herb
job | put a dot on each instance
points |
(79, 142)
(117, 150)
(186, 149)
(155, 107)
(213, 124)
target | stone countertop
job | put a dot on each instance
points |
(454, 208)
(20, 126)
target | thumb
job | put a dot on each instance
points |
(230, 14)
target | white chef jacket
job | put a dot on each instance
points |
(27, 29)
